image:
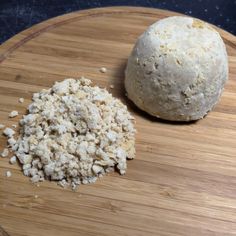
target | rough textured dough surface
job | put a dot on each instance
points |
(177, 69)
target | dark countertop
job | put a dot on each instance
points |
(17, 15)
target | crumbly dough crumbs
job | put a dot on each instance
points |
(8, 174)
(21, 100)
(103, 69)
(5, 152)
(13, 114)
(12, 160)
(11, 141)
(8, 132)
(73, 134)
(2, 126)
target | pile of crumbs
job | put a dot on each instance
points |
(73, 133)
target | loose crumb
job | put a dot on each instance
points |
(14, 126)
(21, 100)
(36, 196)
(112, 86)
(8, 174)
(13, 114)
(5, 152)
(11, 141)
(12, 160)
(2, 126)
(103, 69)
(8, 132)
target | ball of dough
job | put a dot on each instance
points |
(177, 69)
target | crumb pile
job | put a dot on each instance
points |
(73, 134)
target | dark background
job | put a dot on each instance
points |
(17, 15)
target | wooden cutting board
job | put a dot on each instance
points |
(183, 180)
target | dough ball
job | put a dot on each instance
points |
(177, 69)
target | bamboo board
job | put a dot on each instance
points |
(183, 180)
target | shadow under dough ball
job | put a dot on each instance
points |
(177, 69)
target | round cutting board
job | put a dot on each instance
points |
(183, 179)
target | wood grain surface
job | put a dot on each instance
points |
(183, 180)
